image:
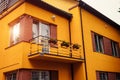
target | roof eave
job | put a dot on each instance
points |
(98, 14)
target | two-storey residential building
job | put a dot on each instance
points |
(51, 40)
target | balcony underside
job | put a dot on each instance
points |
(54, 58)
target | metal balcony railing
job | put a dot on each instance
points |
(47, 46)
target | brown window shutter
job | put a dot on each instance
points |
(24, 75)
(93, 41)
(26, 28)
(53, 34)
(107, 46)
(53, 75)
(111, 76)
(97, 75)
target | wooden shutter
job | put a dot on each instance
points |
(111, 76)
(98, 75)
(93, 41)
(53, 75)
(26, 28)
(53, 34)
(107, 46)
(24, 75)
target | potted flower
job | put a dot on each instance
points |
(76, 46)
(65, 44)
(54, 41)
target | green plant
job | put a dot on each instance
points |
(76, 46)
(66, 44)
(54, 41)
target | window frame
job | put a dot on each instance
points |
(114, 46)
(103, 75)
(10, 75)
(39, 28)
(39, 75)
(99, 43)
(117, 76)
(12, 35)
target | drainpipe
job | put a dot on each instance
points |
(71, 65)
(82, 31)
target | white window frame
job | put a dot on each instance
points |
(103, 76)
(114, 49)
(99, 43)
(41, 75)
(15, 33)
(12, 76)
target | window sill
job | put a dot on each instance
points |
(107, 55)
(15, 44)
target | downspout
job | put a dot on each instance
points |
(82, 32)
(71, 65)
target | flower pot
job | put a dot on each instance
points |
(65, 44)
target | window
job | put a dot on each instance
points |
(103, 76)
(11, 76)
(114, 46)
(15, 33)
(40, 29)
(107, 75)
(40, 75)
(117, 76)
(99, 43)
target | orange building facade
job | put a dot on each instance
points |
(40, 41)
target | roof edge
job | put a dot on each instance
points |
(50, 8)
(98, 14)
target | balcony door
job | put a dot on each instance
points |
(41, 34)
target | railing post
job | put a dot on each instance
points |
(30, 47)
(70, 49)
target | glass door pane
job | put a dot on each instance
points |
(45, 33)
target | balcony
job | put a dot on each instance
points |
(44, 48)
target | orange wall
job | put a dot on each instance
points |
(76, 35)
(98, 61)
(95, 61)
(16, 57)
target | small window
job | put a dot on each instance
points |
(117, 76)
(15, 33)
(11, 76)
(103, 76)
(40, 75)
(114, 46)
(99, 43)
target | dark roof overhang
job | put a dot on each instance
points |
(98, 14)
(50, 8)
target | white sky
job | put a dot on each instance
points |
(109, 8)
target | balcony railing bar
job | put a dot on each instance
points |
(44, 47)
